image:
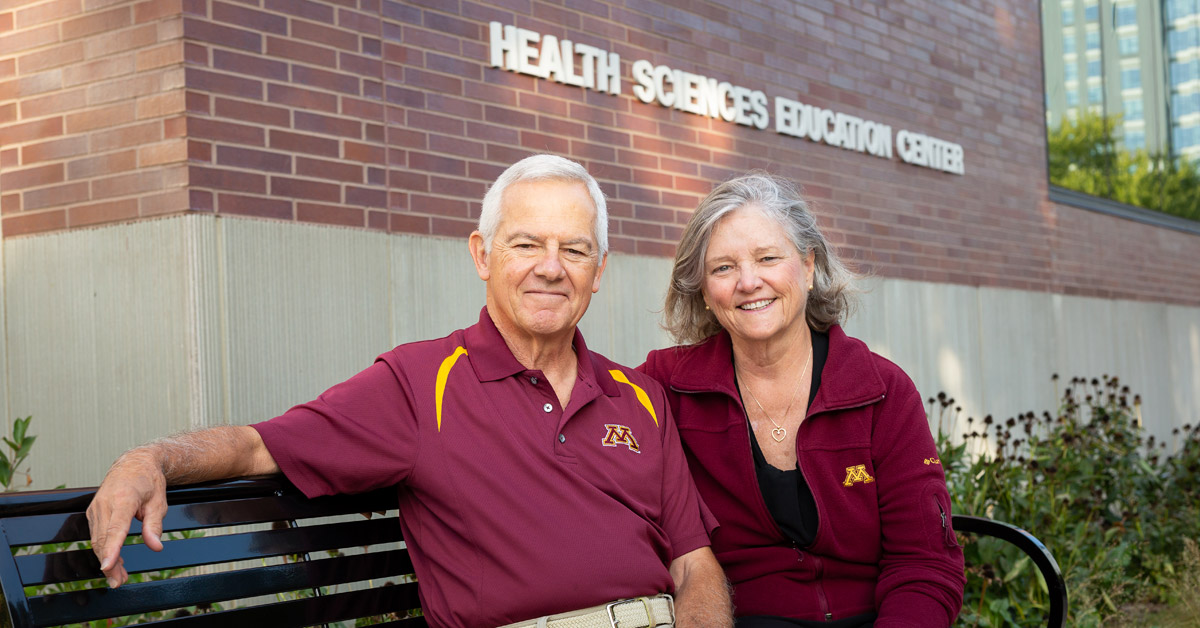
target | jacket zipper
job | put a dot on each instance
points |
(947, 531)
(821, 599)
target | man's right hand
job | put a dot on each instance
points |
(134, 487)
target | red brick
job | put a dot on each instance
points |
(227, 84)
(326, 169)
(366, 197)
(54, 149)
(450, 227)
(65, 194)
(201, 30)
(302, 143)
(249, 64)
(128, 184)
(6, 21)
(359, 22)
(301, 8)
(174, 127)
(407, 223)
(164, 104)
(249, 18)
(96, 213)
(306, 53)
(361, 109)
(65, 54)
(328, 125)
(38, 222)
(150, 10)
(98, 22)
(169, 202)
(8, 68)
(134, 86)
(436, 163)
(160, 56)
(330, 214)
(251, 112)
(324, 79)
(28, 131)
(31, 177)
(418, 79)
(220, 131)
(457, 187)
(300, 188)
(302, 98)
(108, 163)
(9, 158)
(229, 180)
(30, 38)
(110, 42)
(29, 85)
(358, 64)
(377, 220)
(98, 70)
(254, 206)
(542, 142)
(10, 203)
(199, 151)
(408, 180)
(8, 113)
(164, 152)
(366, 153)
(325, 35)
(100, 117)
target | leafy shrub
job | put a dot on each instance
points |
(1113, 505)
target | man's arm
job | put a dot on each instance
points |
(701, 592)
(136, 485)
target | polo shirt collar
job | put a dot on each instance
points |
(492, 360)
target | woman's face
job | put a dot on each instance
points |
(755, 281)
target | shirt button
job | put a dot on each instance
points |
(533, 380)
(562, 438)
(548, 408)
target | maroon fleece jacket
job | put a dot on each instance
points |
(884, 541)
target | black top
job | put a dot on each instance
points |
(791, 504)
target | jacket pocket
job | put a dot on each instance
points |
(935, 501)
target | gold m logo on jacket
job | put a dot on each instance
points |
(857, 474)
(620, 435)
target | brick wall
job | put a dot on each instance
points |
(91, 113)
(385, 115)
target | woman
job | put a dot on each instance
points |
(813, 453)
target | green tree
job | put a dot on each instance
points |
(1083, 156)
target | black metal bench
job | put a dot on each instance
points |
(294, 560)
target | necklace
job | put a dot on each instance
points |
(780, 432)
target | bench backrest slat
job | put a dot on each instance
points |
(215, 588)
(317, 610)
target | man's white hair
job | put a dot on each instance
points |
(542, 168)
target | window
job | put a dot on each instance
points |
(1135, 140)
(1185, 104)
(1068, 15)
(1072, 98)
(1093, 40)
(1128, 44)
(1133, 109)
(1069, 42)
(1093, 68)
(1180, 8)
(1186, 137)
(1126, 15)
(1178, 41)
(1071, 72)
(1095, 95)
(1184, 72)
(1131, 78)
(1091, 13)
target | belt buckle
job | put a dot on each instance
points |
(610, 608)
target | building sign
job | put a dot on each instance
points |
(564, 61)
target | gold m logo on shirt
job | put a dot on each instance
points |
(620, 435)
(857, 474)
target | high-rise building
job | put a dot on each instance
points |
(1137, 59)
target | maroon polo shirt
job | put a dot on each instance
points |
(513, 506)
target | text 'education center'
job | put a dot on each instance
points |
(215, 209)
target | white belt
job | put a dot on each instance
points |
(642, 612)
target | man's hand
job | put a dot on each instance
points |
(134, 487)
(701, 591)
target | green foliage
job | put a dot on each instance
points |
(1083, 156)
(18, 447)
(1112, 505)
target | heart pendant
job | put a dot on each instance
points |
(778, 434)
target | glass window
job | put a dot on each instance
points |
(1072, 98)
(1186, 136)
(1093, 40)
(1091, 13)
(1131, 78)
(1068, 42)
(1133, 109)
(1135, 140)
(1128, 44)
(1178, 41)
(1068, 15)
(1185, 104)
(1093, 68)
(1180, 8)
(1184, 72)
(1071, 72)
(1126, 15)
(1095, 95)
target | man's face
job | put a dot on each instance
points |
(544, 263)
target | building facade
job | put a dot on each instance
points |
(213, 210)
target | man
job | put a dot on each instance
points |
(536, 478)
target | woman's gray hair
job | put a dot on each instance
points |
(833, 296)
(541, 168)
